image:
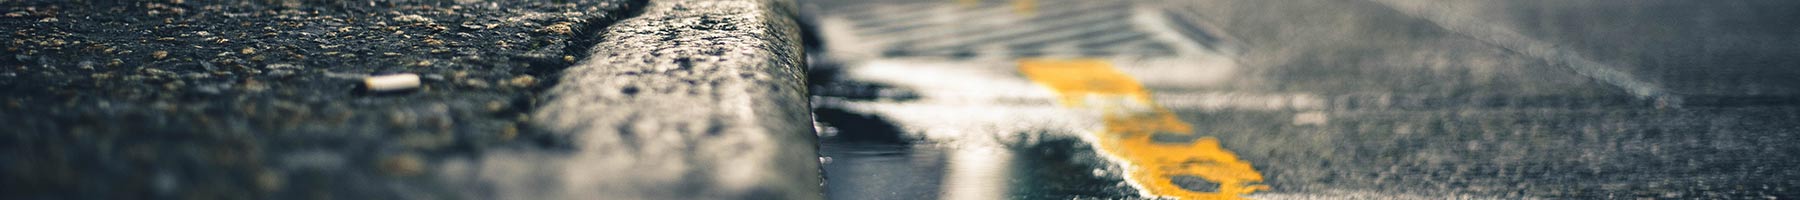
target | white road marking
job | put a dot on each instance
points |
(971, 28)
(964, 103)
(1158, 26)
(981, 34)
(1441, 13)
(1349, 194)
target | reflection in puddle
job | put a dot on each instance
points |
(975, 173)
(1054, 169)
(870, 159)
(1133, 122)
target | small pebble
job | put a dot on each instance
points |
(522, 81)
(282, 66)
(475, 83)
(509, 132)
(496, 106)
(254, 86)
(269, 181)
(403, 165)
(413, 19)
(560, 28)
(394, 82)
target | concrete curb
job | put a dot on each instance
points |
(690, 100)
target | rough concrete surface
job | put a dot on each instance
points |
(689, 100)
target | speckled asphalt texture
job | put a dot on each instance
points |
(260, 99)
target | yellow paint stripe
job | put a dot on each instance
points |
(1024, 7)
(1131, 118)
(968, 3)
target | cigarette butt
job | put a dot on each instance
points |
(394, 82)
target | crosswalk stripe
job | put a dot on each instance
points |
(919, 13)
(1127, 46)
(906, 26)
(844, 8)
(1084, 38)
(956, 12)
(1066, 35)
(1040, 37)
(1144, 46)
(974, 36)
(971, 29)
(880, 13)
(1190, 29)
(1112, 39)
(1045, 19)
(899, 15)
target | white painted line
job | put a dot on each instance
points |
(1152, 20)
(1336, 194)
(966, 104)
(988, 26)
(1443, 15)
(978, 34)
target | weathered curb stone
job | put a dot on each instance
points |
(693, 99)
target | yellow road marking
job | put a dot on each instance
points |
(1131, 118)
(968, 3)
(1025, 7)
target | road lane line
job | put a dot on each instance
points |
(1443, 15)
(1131, 119)
(1024, 7)
(976, 29)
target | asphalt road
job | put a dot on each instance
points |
(1383, 99)
(586, 99)
(964, 99)
(204, 99)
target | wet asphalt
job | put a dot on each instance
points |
(1378, 99)
(1385, 99)
(203, 99)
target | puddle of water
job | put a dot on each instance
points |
(870, 157)
(1132, 121)
(867, 158)
(923, 171)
